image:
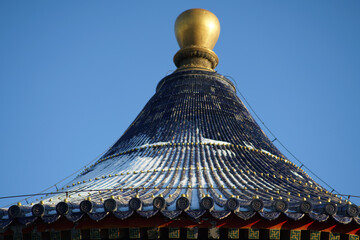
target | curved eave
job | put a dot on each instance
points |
(185, 219)
(294, 217)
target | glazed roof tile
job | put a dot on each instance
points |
(195, 139)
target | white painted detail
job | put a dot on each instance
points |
(296, 174)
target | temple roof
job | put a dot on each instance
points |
(195, 147)
(195, 137)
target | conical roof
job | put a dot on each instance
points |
(196, 137)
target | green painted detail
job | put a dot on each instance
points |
(295, 234)
(334, 236)
(233, 233)
(134, 233)
(114, 233)
(174, 233)
(353, 237)
(192, 233)
(315, 235)
(253, 233)
(274, 234)
(153, 233)
(75, 234)
(95, 234)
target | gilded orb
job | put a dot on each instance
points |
(197, 27)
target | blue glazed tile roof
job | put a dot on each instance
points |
(195, 139)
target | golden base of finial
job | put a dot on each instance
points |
(196, 57)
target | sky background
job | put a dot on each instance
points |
(75, 74)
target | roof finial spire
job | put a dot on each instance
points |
(197, 31)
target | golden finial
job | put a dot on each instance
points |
(197, 31)
(197, 27)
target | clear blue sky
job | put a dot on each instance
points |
(74, 75)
